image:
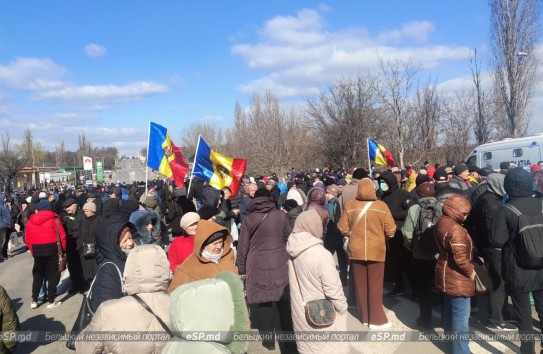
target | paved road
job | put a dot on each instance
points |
(15, 276)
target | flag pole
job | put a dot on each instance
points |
(147, 158)
(193, 163)
(369, 161)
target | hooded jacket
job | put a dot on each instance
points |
(454, 267)
(397, 200)
(108, 251)
(41, 234)
(140, 219)
(196, 267)
(367, 239)
(146, 274)
(262, 254)
(216, 305)
(479, 222)
(518, 184)
(313, 276)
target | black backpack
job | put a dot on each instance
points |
(424, 231)
(528, 244)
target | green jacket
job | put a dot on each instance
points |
(10, 321)
(214, 308)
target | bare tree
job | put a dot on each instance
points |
(396, 89)
(514, 35)
(59, 154)
(85, 146)
(11, 161)
(427, 123)
(482, 119)
(456, 135)
(212, 135)
(343, 115)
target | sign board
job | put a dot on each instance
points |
(87, 163)
(88, 176)
(99, 172)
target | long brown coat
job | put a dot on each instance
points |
(263, 256)
(454, 267)
(367, 240)
(196, 267)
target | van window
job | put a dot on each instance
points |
(487, 156)
(472, 161)
(517, 152)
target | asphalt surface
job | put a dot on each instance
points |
(16, 278)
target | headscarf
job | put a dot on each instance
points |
(309, 221)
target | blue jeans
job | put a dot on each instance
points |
(43, 289)
(456, 311)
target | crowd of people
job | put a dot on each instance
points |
(153, 257)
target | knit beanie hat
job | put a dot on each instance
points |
(90, 206)
(425, 190)
(189, 219)
(44, 205)
(460, 168)
(422, 179)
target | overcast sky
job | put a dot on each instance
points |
(110, 67)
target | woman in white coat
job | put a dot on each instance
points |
(318, 279)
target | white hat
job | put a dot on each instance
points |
(42, 195)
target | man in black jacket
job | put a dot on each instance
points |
(399, 259)
(479, 226)
(519, 282)
(71, 220)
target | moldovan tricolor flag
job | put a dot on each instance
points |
(164, 156)
(379, 154)
(218, 170)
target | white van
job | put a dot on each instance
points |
(523, 152)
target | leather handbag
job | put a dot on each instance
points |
(360, 215)
(318, 313)
(61, 255)
(483, 281)
(88, 250)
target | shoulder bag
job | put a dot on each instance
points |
(145, 306)
(61, 255)
(360, 215)
(318, 313)
(85, 312)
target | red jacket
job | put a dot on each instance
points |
(179, 250)
(41, 230)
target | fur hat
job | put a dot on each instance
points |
(189, 219)
(360, 173)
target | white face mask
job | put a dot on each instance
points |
(213, 257)
(383, 186)
(126, 250)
